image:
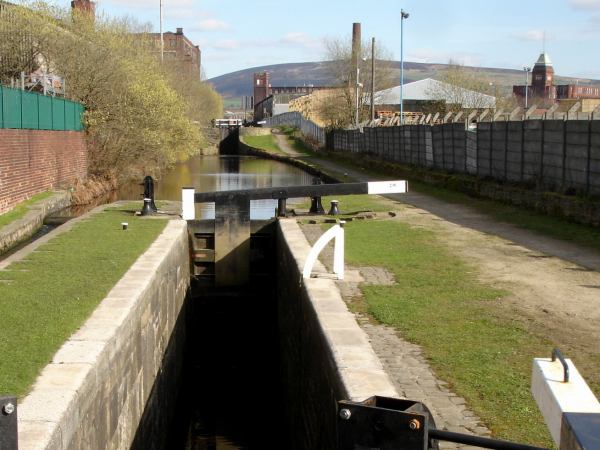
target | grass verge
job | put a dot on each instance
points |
(22, 208)
(264, 142)
(48, 296)
(551, 226)
(437, 303)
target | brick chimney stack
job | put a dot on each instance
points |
(356, 44)
(86, 7)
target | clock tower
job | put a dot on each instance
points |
(542, 81)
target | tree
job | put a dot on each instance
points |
(138, 120)
(339, 109)
(460, 88)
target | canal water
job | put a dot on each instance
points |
(230, 397)
(223, 173)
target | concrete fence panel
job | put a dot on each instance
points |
(514, 151)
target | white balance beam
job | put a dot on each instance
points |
(556, 397)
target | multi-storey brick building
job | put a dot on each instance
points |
(177, 47)
(263, 91)
(543, 90)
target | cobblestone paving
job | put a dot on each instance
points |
(404, 362)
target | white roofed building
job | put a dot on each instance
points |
(419, 95)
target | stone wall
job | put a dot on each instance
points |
(325, 355)
(33, 161)
(25, 227)
(95, 391)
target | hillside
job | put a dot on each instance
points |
(237, 84)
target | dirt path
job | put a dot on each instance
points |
(284, 144)
(556, 284)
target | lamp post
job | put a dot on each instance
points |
(358, 85)
(162, 41)
(527, 70)
(357, 111)
(403, 15)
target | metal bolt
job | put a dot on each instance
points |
(414, 424)
(8, 409)
(345, 414)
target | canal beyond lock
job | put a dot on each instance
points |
(231, 394)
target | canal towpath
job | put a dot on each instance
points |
(553, 286)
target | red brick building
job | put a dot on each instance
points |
(177, 47)
(543, 90)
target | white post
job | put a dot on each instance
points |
(338, 252)
(188, 206)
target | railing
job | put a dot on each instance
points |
(30, 111)
(295, 119)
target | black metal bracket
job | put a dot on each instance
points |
(8, 424)
(389, 424)
(557, 354)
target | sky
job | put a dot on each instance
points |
(236, 34)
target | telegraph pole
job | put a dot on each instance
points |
(372, 78)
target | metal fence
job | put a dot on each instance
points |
(295, 119)
(26, 110)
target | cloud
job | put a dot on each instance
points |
(533, 35)
(151, 4)
(212, 25)
(227, 44)
(593, 5)
(301, 39)
(427, 55)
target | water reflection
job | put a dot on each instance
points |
(223, 173)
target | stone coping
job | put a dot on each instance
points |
(361, 372)
(25, 227)
(50, 414)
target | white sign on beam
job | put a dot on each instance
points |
(387, 187)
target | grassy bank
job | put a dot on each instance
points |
(265, 142)
(22, 208)
(48, 296)
(437, 303)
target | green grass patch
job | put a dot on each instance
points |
(438, 304)
(22, 208)
(264, 142)
(48, 296)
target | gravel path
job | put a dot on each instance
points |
(554, 286)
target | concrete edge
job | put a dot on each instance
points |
(25, 227)
(361, 372)
(49, 415)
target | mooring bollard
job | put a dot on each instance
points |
(315, 202)
(149, 191)
(334, 210)
(147, 209)
(281, 207)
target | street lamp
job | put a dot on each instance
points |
(527, 70)
(162, 40)
(358, 85)
(403, 15)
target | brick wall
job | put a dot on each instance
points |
(33, 161)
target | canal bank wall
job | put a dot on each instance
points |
(22, 229)
(325, 355)
(113, 384)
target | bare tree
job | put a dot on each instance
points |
(340, 108)
(460, 88)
